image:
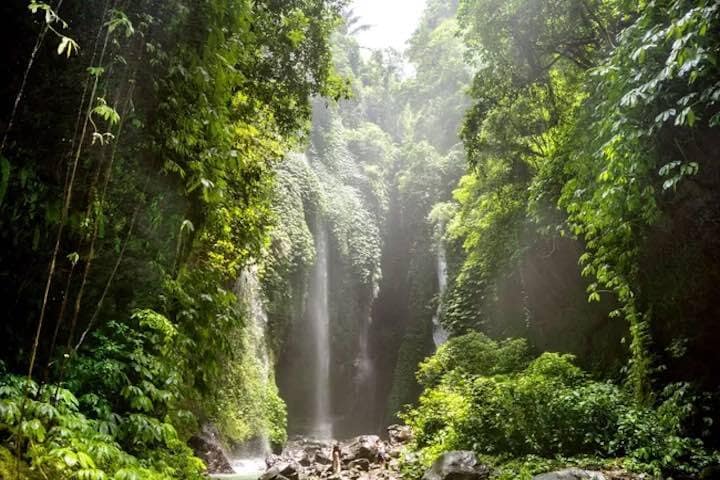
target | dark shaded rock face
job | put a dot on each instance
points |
(210, 452)
(457, 465)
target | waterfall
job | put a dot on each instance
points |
(319, 323)
(440, 335)
(249, 291)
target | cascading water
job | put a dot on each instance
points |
(440, 335)
(250, 292)
(364, 381)
(319, 323)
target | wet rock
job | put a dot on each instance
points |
(272, 459)
(364, 446)
(289, 470)
(360, 464)
(399, 434)
(272, 474)
(210, 452)
(457, 465)
(282, 470)
(571, 474)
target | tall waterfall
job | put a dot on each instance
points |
(250, 292)
(364, 380)
(440, 335)
(319, 323)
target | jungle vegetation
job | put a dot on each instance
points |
(563, 154)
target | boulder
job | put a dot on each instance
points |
(399, 434)
(322, 457)
(210, 452)
(289, 470)
(364, 446)
(457, 465)
(304, 459)
(272, 474)
(571, 474)
(360, 464)
(282, 470)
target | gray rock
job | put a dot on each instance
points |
(271, 460)
(289, 470)
(272, 474)
(571, 474)
(399, 434)
(282, 470)
(304, 459)
(457, 465)
(364, 446)
(208, 449)
(322, 457)
(360, 463)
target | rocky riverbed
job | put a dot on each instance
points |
(368, 457)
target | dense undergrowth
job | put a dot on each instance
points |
(526, 415)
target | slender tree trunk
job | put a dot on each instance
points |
(65, 211)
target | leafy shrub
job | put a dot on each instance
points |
(99, 434)
(480, 400)
(475, 354)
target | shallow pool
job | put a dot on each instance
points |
(245, 469)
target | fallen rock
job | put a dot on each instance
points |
(457, 465)
(210, 452)
(322, 457)
(399, 434)
(289, 470)
(272, 474)
(360, 464)
(364, 446)
(282, 470)
(571, 474)
(305, 459)
(272, 459)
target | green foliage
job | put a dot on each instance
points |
(661, 71)
(100, 434)
(591, 107)
(549, 408)
(184, 110)
(473, 354)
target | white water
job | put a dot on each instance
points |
(440, 335)
(319, 323)
(245, 469)
(250, 292)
